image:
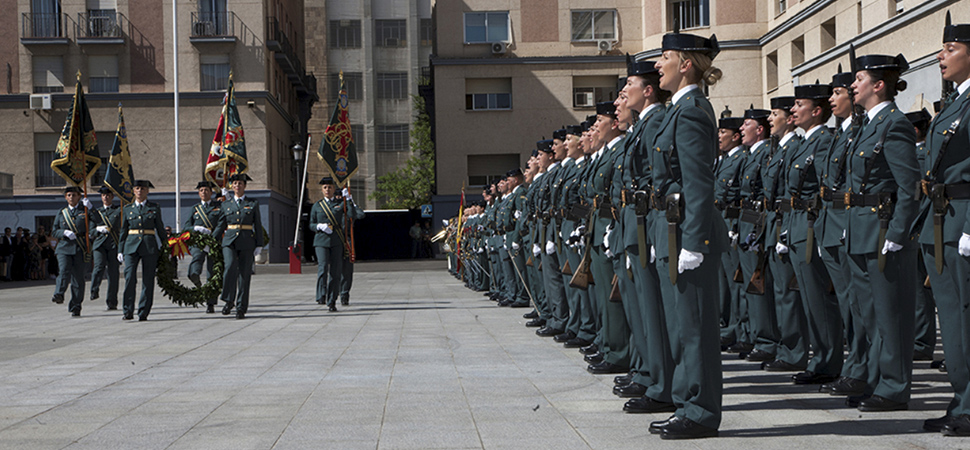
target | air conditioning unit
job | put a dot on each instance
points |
(604, 45)
(40, 101)
(498, 48)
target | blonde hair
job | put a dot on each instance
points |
(703, 65)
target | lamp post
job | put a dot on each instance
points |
(296, 250)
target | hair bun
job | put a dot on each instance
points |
(900, 85)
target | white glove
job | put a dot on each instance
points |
(346, 194)
(226, 192)
(550, 248)
(324, 227)
(515, 245)
(964, 245)
(70, 234)
(890, 246)
(444, 222)
(608, 253)
(843, 235)
(103, 229)
(653, 254)
(202, 230)
(536, 249)
(606, 236)
(781, 249)
(628, 263)
(734, 237)
(517, 215)
(581, 242)
(819, 252)
(257, 251)
(121, 258)
(86, 202)
(755, 248)
(689, 260)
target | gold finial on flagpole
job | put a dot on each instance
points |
(341, 76)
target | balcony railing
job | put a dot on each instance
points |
(43, 26)
(220, 24)
(99, 25)
(285, 54)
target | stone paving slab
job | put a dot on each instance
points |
(416, 362)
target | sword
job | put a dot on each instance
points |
(642, 240)
(524, 284)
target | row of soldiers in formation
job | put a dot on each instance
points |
(653, 236)
(135, 234)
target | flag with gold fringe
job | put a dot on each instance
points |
(337, 150)
(227, 155)
(119, 176)
(76, 157)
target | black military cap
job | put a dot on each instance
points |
(326, 180)
(545, 145)
(620, 84)
(955, 33)
(143, 183)
(240, 177)
(784, 102)
(815, 91)
(574, 130)
(919, 118)
(634, 67)
(516, 172)
(842, 79)
(560, 134)
(606, 109)
(691, 43)
(730, 123)
(204, 183)
(534, 153)
(105, 190)
(74, 189)
(585, 125)
(756, 114)
(882, 62)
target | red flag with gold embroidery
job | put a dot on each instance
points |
(337, 150)
(227, 155)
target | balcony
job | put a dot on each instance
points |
(43, 28)
(286, 57)
(99, 27)
(213, 27)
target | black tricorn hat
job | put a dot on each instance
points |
(882, 62)
(143, 183)
(534, 153)
(560, 134)
(516, 172)
(813, 91)
(544, 145)
(620, 84)
(204, 184)
(784, 102)
(756, 114)
(919, 118)
(74, 189)
(240, 177)
(326, 180)
(106, 190)
(606, 109)
(634, 67)
(585, 125)
(730, 123)
(842, 79)
(691, 43)
(574, 130)
(955, 33)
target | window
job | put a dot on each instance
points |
(782, 6)
(344, 34)
(357, 134)
(485, 27)
(358, 189)
(589, 90)
(44, 145)
(828, 34)
(48, 74)
(594, 25)
(427, 32)
(392, 138)
(214, 72)
(482, 169)
(391, 33)
(213, 18)
(45, 19)
(689, 14)
(102, 19)
(771, 70)
(392, 85)
(488, 94)
(797, 51)
(103, 70)
(353, 83)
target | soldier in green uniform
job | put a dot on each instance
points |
(240, 229)
(142, 231)
(552, 282)
(882, 180)
(727, 172)
(688, 249)
(925, 305)
(347, 276)
(204, 218)
(572, 165)
(514, 220)
(326, 219)
(583, 311)
(71, 229)
(106, 223)
(946, 210)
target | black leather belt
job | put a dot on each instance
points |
(836, 197)
(851, 199)
(627, 196)
(959, 191)
(755, 206)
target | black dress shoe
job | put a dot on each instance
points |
(760, 356)
(632, 390)
(531, 315)
(809, 377)
(589, 349)
(345, 301)
(333, 308)
(226, 310)
(142, 319)
(740, 347)
(726, 342)
(685, 428)
(240, 315)
(920, 356)
(575, 343)
(76, 314)
(647, 405)
(605, 368)
(504, 303)
(959, 426)
(881, 404)
(127, 317)
(520, 305)
(780, 366)
(548, 332)
(564, 336)
(94, 295)
(936, 364)
(210, 308)
(657, 426)
(844, 386)
(853, 401)
(623, 380)
(943, 366)
(936, 425)
(593, 358)
(58, 298)
(535, 323)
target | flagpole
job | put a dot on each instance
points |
(175, 95)
(299, 205)
(87, 234)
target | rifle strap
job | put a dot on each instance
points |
(952, 130)
(871, 162)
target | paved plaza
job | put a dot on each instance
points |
(416, 361)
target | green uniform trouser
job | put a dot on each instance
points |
(555, 292)
(71, 269)
(346, 280)
(792, 322)
(613, 327)
(238, 274)
(951, 290)
(515, 272)
(821, 310)
(761, 308)
(148, 265)
(580, 321)
(496, 282)
(925, 313)
(195, 268)
(691, 312)
(653, 346)
(735, 327)
(887, 302)
(857, 345)
(106, 265)
(329, 272)
(535, 282)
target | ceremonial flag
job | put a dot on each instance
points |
(119, 176)
(337, 150)
(227, 156)
(76, 157)
(461, 217)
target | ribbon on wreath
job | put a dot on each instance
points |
(179, 245)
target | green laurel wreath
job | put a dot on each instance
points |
(195, 296)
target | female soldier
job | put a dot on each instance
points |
(688, 248)
(326, 219)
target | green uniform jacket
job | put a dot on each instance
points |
(516, 202)
(110, 216)
(773, 175)
(633, 172)
(242, 213)
(955, 168)
(203, 216)
(797, 166)
(831, 221)
(319, 215)
(752, 184)
(76, 224)
(727, 185)
(146, 217)
(598, 185)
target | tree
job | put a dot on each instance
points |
(410, 186)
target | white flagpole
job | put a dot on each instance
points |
(299, 206)
(175, 95)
